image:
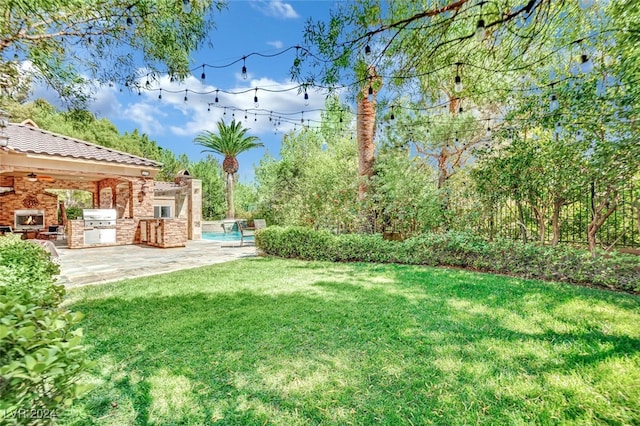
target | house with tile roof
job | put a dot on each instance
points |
(34, 161)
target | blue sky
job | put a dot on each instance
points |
(244, 27)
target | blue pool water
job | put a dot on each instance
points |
(221, 236)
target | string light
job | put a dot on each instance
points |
(255, 99)
(558, 129)
(367, 49)
(185, 95)
(553, 103)
(306, 97)
(186, 6)
(203, 76)
(244, 68)
(586, 65)
(216, 100)
(481, 32)
(457, 86)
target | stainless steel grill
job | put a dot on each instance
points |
(99, 217)
(99, 226)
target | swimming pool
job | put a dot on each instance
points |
(221, 236)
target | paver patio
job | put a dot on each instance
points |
(104, 264)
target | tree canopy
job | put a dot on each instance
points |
(107, 41)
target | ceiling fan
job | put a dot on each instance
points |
(32, 177)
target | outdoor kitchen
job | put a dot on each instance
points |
(35, 162)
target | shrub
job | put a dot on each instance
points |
(560, 263)
(31, 271)
(40, 351)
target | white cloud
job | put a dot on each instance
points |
(277, 44)
(275, 9)
(105, 103)
(148, 117)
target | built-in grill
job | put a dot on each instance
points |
(99, 217)
(99, 226)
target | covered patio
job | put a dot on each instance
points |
(34, 161)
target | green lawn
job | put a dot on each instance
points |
(269, 341)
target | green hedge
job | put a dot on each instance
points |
(560, 263)
(40, 352)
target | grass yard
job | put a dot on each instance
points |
(283, 342)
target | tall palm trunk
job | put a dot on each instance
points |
(231, 211)
(366, 127)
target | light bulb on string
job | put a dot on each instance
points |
(367, 49)
(553, 103)
(216, 100)
(558, 129)
(160, 94)
(481, 31)
(245, 115)
(457, 85)
(488, 133)
(392, 117)
(208, 107)
(203, 76)
(186, 6)
(224, 113)
(244, 68)
(185, 95)
(255, 117)
(586, 65)
(370, 93)
(129, 21)
(306, 98)
(255, 99)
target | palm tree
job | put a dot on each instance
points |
(230, 141)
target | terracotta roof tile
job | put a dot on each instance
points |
(28, 139)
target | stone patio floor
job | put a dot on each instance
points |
(105, 264)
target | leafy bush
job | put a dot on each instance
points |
(40, 351)
(560, 263)
(26, 268)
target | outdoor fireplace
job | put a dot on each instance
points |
(29, 219)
